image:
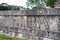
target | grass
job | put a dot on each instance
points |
(4, 37)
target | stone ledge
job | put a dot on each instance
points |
(44, 11)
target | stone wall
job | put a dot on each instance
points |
(41, 24)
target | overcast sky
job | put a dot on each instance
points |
(15, 2)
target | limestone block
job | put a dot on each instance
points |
(20, 35)
(53, 24)
(47, 39)
(11, 34)
(42, 23)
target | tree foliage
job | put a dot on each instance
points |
(33, 1)
(35, 4)
(5, 6)
(50, 3)
(38, 6)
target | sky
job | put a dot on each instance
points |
(15, 2)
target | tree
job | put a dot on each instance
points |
(12, 7)
(38, 4)
(5, 6)
(35, 4)
(50, 3)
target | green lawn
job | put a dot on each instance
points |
(3, 37)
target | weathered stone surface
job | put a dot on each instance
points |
(48, 39)
(41, 24)
(44, 11)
